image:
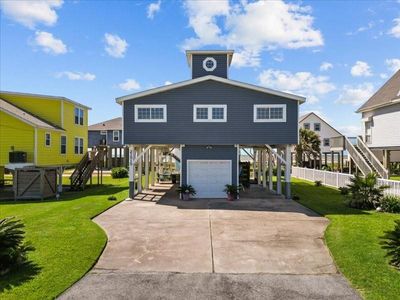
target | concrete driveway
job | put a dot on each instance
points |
(162, 248)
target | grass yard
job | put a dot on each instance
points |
(67, 242)
(395, 178)
(353, 238)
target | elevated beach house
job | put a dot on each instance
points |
(210, 118)
(41, 131)
(381, 121)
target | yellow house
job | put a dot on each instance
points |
(41, 130)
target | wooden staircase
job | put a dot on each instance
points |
(84, 170)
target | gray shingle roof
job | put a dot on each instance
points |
(113, 124)
(386, 95)
(26, 116)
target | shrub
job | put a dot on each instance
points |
(392, 244)
(186, 189)
(112, 197)
(232, 189)
(318, 182)
(344, 190)
(13, 250)
(390, 204)
(364, 193)
(119, 172)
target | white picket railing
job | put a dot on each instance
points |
(336, 179)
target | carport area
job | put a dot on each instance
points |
(249, 248)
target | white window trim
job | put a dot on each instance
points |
(269, 106)
(65, 144)
(79, 145)
(80, 112)
(45, 139)
(116, 131)
(163, 106)
(319, 126)
(209, 107)
(205, 64)
(103, 132)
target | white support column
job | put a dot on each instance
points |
(259, 164)
(140, 170)
(270, 172)
(132, 155)
(264, 168)
(278, 174)
(152, 173)
(287, 172)
(146, 170)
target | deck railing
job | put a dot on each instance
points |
(336, 179)
(372, 158)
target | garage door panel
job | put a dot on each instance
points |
(209, 177)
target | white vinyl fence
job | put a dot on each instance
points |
(336, 179)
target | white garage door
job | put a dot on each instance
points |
(209, 177)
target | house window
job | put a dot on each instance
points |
(150, 113)
(116, 136)
(317, 126)
(63, 144)
(103, 132)
(209, 113)
(326, 142)
(78, 116)
(47, 139)
(306, 125)
(78, 145)
(269, 113)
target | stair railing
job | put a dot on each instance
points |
(357, 157)
(372, 158)
(76, 174)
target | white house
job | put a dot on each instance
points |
(381, 121)
(325, 131)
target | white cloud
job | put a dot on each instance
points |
(393, 64)
(129, 85)
(325, 66)
(361, 68)
(76, 75)
(251, 27)
(369, 26)
(395, 31)
(30, 13)
(167, 82)
(302, 83)
(355, 95)
(350, 130)
(383, 75)
(153, 8)
(115, 46)
(49, 43)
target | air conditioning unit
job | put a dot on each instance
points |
(17, 157)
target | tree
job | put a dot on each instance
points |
(309, 145)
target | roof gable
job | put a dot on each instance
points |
(213, 78)
(113, 124)
(388, 94)
(303, 118)
(26, 116)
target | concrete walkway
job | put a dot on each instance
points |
(162, 248)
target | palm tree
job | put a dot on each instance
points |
(309, 145)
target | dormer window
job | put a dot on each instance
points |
(209, 64)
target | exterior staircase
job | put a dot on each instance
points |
(365, 160)
(86, 167)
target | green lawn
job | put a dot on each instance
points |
(395, 178)
(67, 242)
(353, 238)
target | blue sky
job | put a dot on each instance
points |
(336, 53)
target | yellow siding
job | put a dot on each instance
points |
(51, 156)
(17, 134)
(48, 109)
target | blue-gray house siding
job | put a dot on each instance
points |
(95, 138)
(240, 127)
(221, 70)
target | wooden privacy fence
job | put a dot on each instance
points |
(336, 179)
(35, 183)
